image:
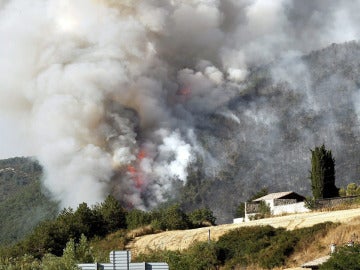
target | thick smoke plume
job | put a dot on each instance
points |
(107, 93)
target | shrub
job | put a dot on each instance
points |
(344, 258)
(202, 217)
(137, 218)
(244, 244)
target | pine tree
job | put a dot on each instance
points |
(322, 173)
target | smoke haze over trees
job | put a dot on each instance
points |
(138, 98)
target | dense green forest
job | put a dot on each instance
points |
(51, 241)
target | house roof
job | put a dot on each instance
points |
(273, 196)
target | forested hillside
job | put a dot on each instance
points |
(263, 136)
(22, 201)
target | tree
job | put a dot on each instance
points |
(202, 217)
(240, 210)
(170, 218)
(136, 218)
(112, 213)
(352, 190)
(322, 173)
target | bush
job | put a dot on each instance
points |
(202, 217)
(203, 256)
(282, 245)
(170, 218)
(345, 258)
(137, 218)
(243, 244)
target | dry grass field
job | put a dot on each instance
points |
(180, 240)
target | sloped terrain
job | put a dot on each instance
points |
(22, 202)
(180, 240)
(262, 137)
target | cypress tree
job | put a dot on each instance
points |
(322, 173)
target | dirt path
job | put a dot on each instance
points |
(179, 240)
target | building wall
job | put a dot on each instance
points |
(238, 220)
(277, 207)
(289, 208)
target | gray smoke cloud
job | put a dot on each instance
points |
(106, 93)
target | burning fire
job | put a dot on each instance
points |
(184, 91)
(135, 173)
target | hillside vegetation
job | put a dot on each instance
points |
(22, 202)
(294, 240)
(87, 234)
(180, 240)
(284, 109)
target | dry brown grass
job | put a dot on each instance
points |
(349, 220)
(320, 247)
(140, 232)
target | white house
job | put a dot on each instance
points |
(279, 203)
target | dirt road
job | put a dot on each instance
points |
(179, 240)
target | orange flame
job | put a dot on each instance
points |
(184, 91)
(134, 172)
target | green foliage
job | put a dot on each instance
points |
(240, 210)
(87, 221)
(25, 262)
(72, 255)
(175, 259)
(136, 218)
(352, 189)
(264, 211)
(22, 202)
(112, 213)
(101, 246)
(281, 247)
(199, 256)
(263, 246)
(342, 192)
(242, 246)
(202, 256)
(16, 173)
(83, 252)
(322, 173)
(310, 203)
(51, 236)
(202, 217)
(170, 218)
(346, 258)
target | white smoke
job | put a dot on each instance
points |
(94, 84)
